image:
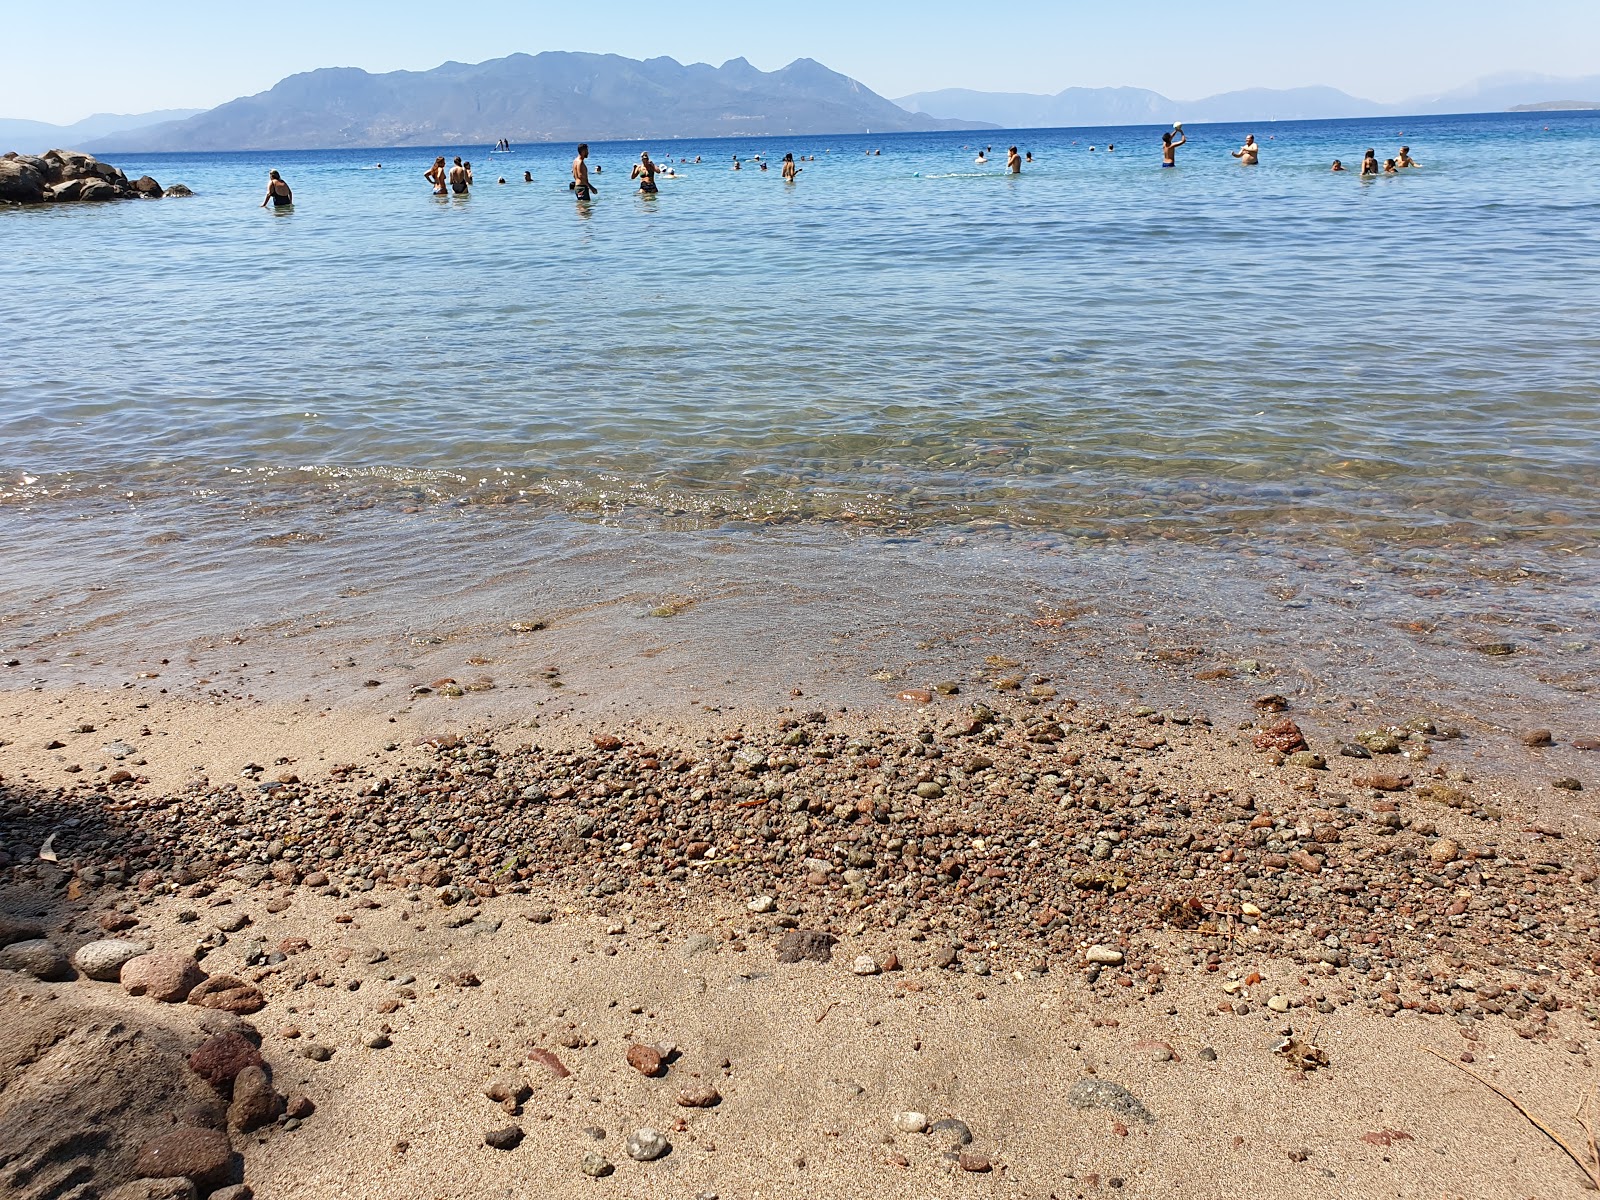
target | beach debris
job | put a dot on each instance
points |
(48, 850)
(549, 1061)
(527, 626)
(506, 1138)
(1299, 1054)
(1385, 1137)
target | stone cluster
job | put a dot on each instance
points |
(62, 176)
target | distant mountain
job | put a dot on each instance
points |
(1558, 106)
(545, 97)
(35, 137)
(1089, 107)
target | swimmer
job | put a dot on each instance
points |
(981, 160)
(458, 178)
(580, 185)
(1337, 166)
(1405, 159)
(1110, 148)
(789, 169)
(502, 180)
(1389, 168)
(278, 192)
(697, 158)
(1029, 156)
(1013, 161)
(645, 172)
(763, 166)
(1248, 154)
(1369, 164)
(437, 176)
(1169, 148)
(527, 177)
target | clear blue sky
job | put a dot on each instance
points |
(67, 58)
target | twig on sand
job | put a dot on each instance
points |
(1591, 1170)
(821, 1016)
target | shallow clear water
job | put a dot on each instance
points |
(1273, 361)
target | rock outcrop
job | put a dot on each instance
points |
(61, 176)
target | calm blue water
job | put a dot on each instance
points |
(1402, 369)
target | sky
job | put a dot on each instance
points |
(151, 54)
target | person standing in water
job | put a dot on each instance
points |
(458, 178)
(437, 176)
(1248, 154)
(789, 169)
(1369, 164)
(1405, 159)
(278, 193)
(645, 172)
(580, 184)
(1013, 162)
(1169, 148)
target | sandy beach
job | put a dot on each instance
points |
(996, 898)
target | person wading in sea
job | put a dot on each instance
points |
(1169, 148)
(790, 171)
(1013, 161)
(1248, 154)
(437, 176)
(580, 185)
(277, 192)
(460, 179)
(645, 172)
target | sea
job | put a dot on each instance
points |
(1149, 433)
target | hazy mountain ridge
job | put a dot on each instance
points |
(553, 96)
(32, 137)
(1125, 106)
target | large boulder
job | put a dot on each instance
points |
(39, 958)
(162, 975)
(72, 164)
(66, 190)
(103, 960)
(179, 189)
(20, 183)
(147, 187)
(97, 189)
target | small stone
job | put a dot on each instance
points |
(596, 1166)
(645, 1059)
(1113, 1097)
(1307, 759)
(929, 791)
(36, 957)
(762, 904)
(699, 1095)
(503, 1139)
(379, 1041)
(865, 964)
(254, 1102)
(1278, 1004)
(298, 1106)
(203, 1155)
(220, 1059)
(1207, 1054)
(1567, 784)
(1444, 851)
(227, 994)
(1155, 1051)
(103, 960)
(911, 1122)
(801, 945)
(316, 1052)
(162, 975)
(1104, 956)
(976, 1163)
(950, 1133)
(1537, 737)
(646, 1145)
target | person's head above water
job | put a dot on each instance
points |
(273, 175)
(1166, 139)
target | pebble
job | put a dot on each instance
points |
(645, 1059)
(950, 1133)
(762, 904)
(102, 960)
(646, 1145)
(1113, 1097)
(161, 975)
(220, 1059)
(976, 1163)
(802, 945)
(911, 1122)
(1279, 1004)
(1104, 956)
(699, 1095)
(203, 1155)
(865, 964)
(507, 1138)
(227, 994)
(254, 1102)
(596, 1165)
(1567, 784)
(36, 957)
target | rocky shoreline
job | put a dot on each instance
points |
(69, 176)
(1120, 855)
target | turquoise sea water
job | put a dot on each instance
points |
(1274, 361)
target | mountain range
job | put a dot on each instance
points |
(41, 135)
(554, 96)
(1091, 107)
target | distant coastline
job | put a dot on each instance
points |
(1558, 106)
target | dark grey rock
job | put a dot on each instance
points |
(806, 945)
(39, 958)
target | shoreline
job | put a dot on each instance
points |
(1039, 876)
